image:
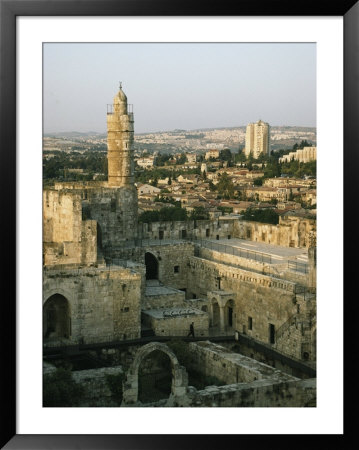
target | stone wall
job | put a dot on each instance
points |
(259, 393)
(168, 257)
(192, 229)
(249, 383)
(291, 231)
(258, 385)
(67, 239)
(267, 300)
(162, 297)
(104, 304)
(115, 210)
(278, 270)
(109, 213)
(230, 367)
(176, 321)
(237, 261)
(262, 353)
(96, 390)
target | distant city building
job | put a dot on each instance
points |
(213, 153)
(257, 139)
(305, 154)
(215, 146)
(191, 157)
(145, 162)
(147, 189)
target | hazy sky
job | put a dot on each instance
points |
(186, 86)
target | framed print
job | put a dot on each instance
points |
(174, 242)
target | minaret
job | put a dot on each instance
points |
(119, 142)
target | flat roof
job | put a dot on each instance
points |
(166, 313)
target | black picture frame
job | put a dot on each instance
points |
(9, 10)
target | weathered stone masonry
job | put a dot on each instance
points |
(103, 304)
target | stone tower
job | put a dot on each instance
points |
(121, 178)
(119, 142)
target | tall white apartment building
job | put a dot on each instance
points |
(257, 139)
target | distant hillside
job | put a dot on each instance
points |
(73, 134)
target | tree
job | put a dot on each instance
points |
(161, 159)
(182, 159)
(199, 213)
(225, 186)
(212, 187)
(261, 215)
(240, 157)
(165, 214)
(272, 168)
(225, 155)
(225, 209)
(250, 161)
(258, 181)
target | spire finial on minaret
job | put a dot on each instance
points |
(120, 84)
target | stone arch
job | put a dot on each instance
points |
(58, 290)
(151, 263)
(179, 374)
(57, 317)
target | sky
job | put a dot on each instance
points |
(179, 85)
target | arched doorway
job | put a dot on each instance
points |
(154, 377)
(179, 381)
(151, 266)
(56, 317)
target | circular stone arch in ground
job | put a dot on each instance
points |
(179, 374)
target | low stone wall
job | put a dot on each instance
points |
(229, 367)
(162, 297)
(296, 277)
(176, 322)
(244, 263)
(97, 391)
(265, 354)
(259, 393)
